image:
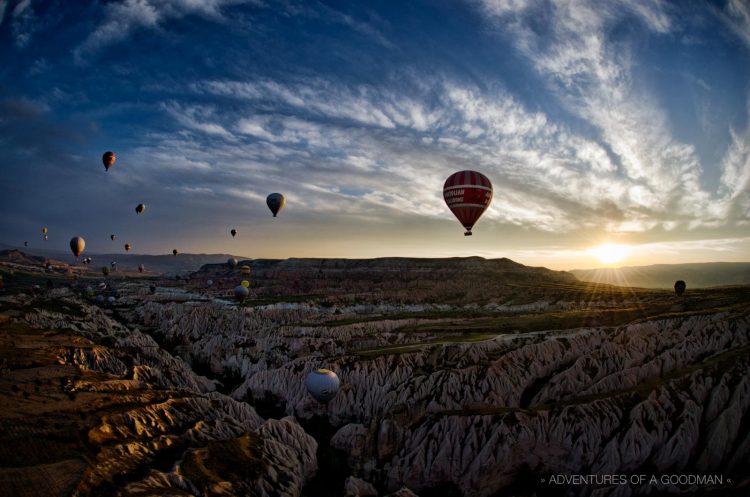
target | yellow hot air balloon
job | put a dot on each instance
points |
(245, 283)
(77, 244)
(44, 231)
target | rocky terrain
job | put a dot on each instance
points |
(459, 377)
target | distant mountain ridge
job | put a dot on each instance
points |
(696, 275)
(166, 263)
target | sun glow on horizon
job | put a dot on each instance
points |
(610, 253)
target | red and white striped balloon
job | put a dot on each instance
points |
(467, 194)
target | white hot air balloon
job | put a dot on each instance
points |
(322, 384)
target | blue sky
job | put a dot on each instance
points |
(597, 122)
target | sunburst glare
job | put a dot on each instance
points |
(610, 253)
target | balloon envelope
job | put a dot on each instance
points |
(108, 159)
(232, 262)
(240, 293)
(679, 287)
(140, 208)
(234, 233)
(112, 237)
(322, 384)
(141, 267)
(127, 247)
(77, 244)
(275, 202)
(245, 283)
(467, 194)
(44, 231)
(245, 270)
(174, 252)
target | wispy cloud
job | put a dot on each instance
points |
(195, 117)
(24, 22)
(737, 17)
(121, 19)
(592, 75)
(3, 6)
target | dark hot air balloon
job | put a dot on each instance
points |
(112, 237)
(174, 252)
(322, 384)
(232, 262)
(240, 293)
(77, 244)
(140, 208)
(108, 159)
(234, 233)
(275, 202)
(679, 287)
(467, 194)
(127, 247)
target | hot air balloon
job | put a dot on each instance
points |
(99, 299)
(174, 252)
(141, 267)
(140, 208)
(245, 283)
(245, 270)
(679, 287)
(127, 247)
(113, 264)
(234, 233)
(25, 244)
(232, 262)
(112, 237)
(275, 202)
(46, 238)
(322, 384)
(152, 289)
(240, 293)
(108, 159)
(111, 300)
(468, 194)
(105, 270)
(210, 282)
(77, 244)
(44, 231)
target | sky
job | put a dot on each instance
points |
(613, 131)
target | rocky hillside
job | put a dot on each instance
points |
(513, 387)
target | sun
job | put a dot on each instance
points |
(610, 253)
